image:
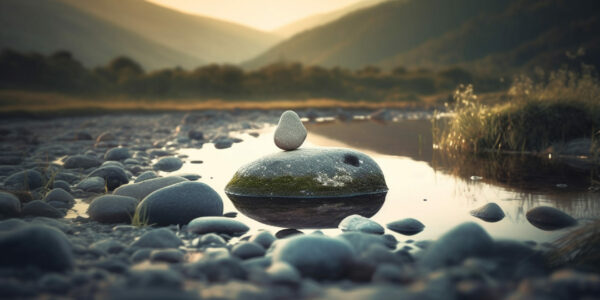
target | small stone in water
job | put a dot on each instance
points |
(408, 226)
(290, 133)
(490, 212)
(549, 218)
(360, 223)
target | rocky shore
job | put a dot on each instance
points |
(114, 167)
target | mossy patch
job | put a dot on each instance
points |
(306, 186)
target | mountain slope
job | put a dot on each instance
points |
(208, 39)
(320, 19)
(373, 34)
(48, 26)
(492, 35)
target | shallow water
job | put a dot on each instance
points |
(439, 191)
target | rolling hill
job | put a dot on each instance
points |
(321, 19)
(99, 30)
(437, 34)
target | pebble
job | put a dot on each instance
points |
(158, 238)
(61, 184)
(361, 242)
(114, 176)
(315, 256)
(220, 225)
(246, 250)
(38, 246)
(210, 240)
(142, 189)
(81, 162)
(59, 195)
(112, 209)
(263, 238)
(490, 212)
(145, 176)
(108, 246)
(167, 255)
(549, 218)
(168, 164)
(290, 132)
(41, 209)
(92, 184)
(180, 203)
(282, 272)
(117, 154)
(465, 240)
(10, 206)
(360, 223)
(24, 180)
(408, 226)
(288, 232)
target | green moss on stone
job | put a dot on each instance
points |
(301, 186)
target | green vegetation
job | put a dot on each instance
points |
(140, 218)
(294, 185)
(549, 110)
(125, 78)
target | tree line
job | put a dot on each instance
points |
(123, 76)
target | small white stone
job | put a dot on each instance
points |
(290, 133)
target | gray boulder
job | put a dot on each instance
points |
(224, 225)
(168, 164)
(180, 203)
(464, 241)
(37, 246)
(113, 176)
(549, 218)
(142, 189)
(112, 209)
(24, 180)
(10, 206)
(81, 162)
(309, 173)
(490, 212)
(315, 256)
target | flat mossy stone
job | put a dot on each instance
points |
(309, 172)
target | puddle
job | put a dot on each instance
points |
(439, 191)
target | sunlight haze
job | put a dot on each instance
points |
(261, 14)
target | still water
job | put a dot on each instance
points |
(424, 184)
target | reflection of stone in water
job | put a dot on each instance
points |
(306, 212)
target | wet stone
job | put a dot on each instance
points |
(360, 223)
(10, 206)
(180, 203)
(549, 218)
(114, 176)
(144, 188)
(24, 180)
(117, 154)
(112, 209)
(246, 250)
(490, 212)
(167, 255)
(168, 164)
(220, 225)
(92, 184)
(408, 226)
(158, 238)
(81, 162)
(41, 209)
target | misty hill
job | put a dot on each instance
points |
(438, 33)
(321, 19)
(209, 39)
(97, 31)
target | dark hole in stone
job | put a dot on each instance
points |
(351, 160)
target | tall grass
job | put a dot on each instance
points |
(536, 113)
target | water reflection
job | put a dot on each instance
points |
(433, 189)
(295, 212)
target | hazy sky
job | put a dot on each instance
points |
(262, 14)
